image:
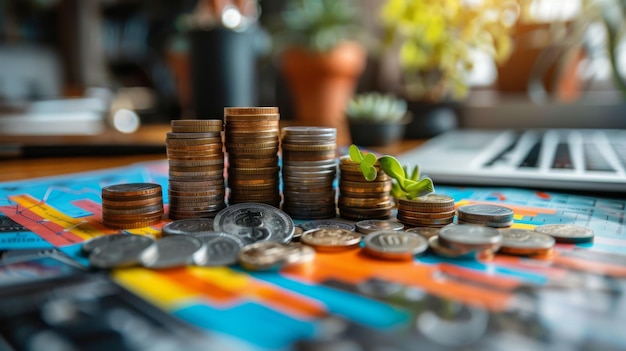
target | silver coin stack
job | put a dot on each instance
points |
(486, 215)
(252, 138)
(196, 168)
(360, 199)
(309, 171)
(457, 240)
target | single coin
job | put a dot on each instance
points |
(428, 203)
(131, 189)
(174, 251)
(297, 233)
(525, 242)
(222, 249)
(263, 110)
(394, 245)
(122, 252)
(310, 225)
(373, 225)
(254, 222)
(425, 232)
(331, 239)
(265, 255)
(189, 226)
(485, 213)
(566, 233)
(469, 235)
(441, 250)
(88, 246)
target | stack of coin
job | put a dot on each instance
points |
(309, 171)
(252, 140)
(196, 168)
(524, 242)
(458, 240)
(360, 199)
(487, 215)
(432, 210)
(134, 205)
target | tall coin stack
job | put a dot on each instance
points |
(196, 168)
(252, 139)
(432, 210)
(134, 205)
(360, 199)
(309, 171)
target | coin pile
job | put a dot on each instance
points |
(360, 199)
(457, 240)
(309, 171)
(196, 168)
(133, 205)
(487, 215)
(432, 210)
(252, 140)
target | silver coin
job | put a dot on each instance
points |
(254, 222)
(395, 245)
(91, 244)
(566, 233)
(372, 225)
(425, 232)
(525, 242)
(188, 226)
(266, 255)
(221, 248)
(122, 252)
(470, 234)
(486, 213)
(330, 223)
(174, 251)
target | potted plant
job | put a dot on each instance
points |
(376, 119)
(321, 60)
(433, 42)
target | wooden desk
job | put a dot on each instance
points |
(17, 169)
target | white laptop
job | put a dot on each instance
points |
(572, 159)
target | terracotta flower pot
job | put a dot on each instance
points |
(322, 83)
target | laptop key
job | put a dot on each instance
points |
(532, 158)
(562, 157)
(595, 160)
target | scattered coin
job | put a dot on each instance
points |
(122, 252)
(273, 255)
(440, 250)
(470, 237)
(174, 251)
(425, 232)
(487, 215)
(394, 245)
(189, 226)
(88, 246)
(254, 222)
(525, 242)
(222, 249)
(373, 225)
(327, 223)
(331, 239)
(566, 233)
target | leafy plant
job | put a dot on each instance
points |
(375, 106)
(318, 25)
(435, 40)
(407, 184)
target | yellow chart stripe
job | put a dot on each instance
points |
(156, 288)
(45, 211)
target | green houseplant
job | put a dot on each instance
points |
(376, 119)
(320, 59)
(432, 46)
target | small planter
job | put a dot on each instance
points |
(377, 133)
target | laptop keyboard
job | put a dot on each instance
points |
(575, 150)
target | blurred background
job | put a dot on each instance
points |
(81, 66)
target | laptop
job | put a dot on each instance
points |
(572, 159)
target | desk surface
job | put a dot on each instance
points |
(573, 299)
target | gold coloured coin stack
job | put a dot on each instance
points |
(360, 199)
(431, 210)
(309, 171)
(134, 205)
(252, 139)
(196, 168)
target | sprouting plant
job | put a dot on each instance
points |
(407, 184)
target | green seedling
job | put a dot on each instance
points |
(406, 184)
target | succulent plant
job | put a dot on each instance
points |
(406, 184)
(376, 107)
